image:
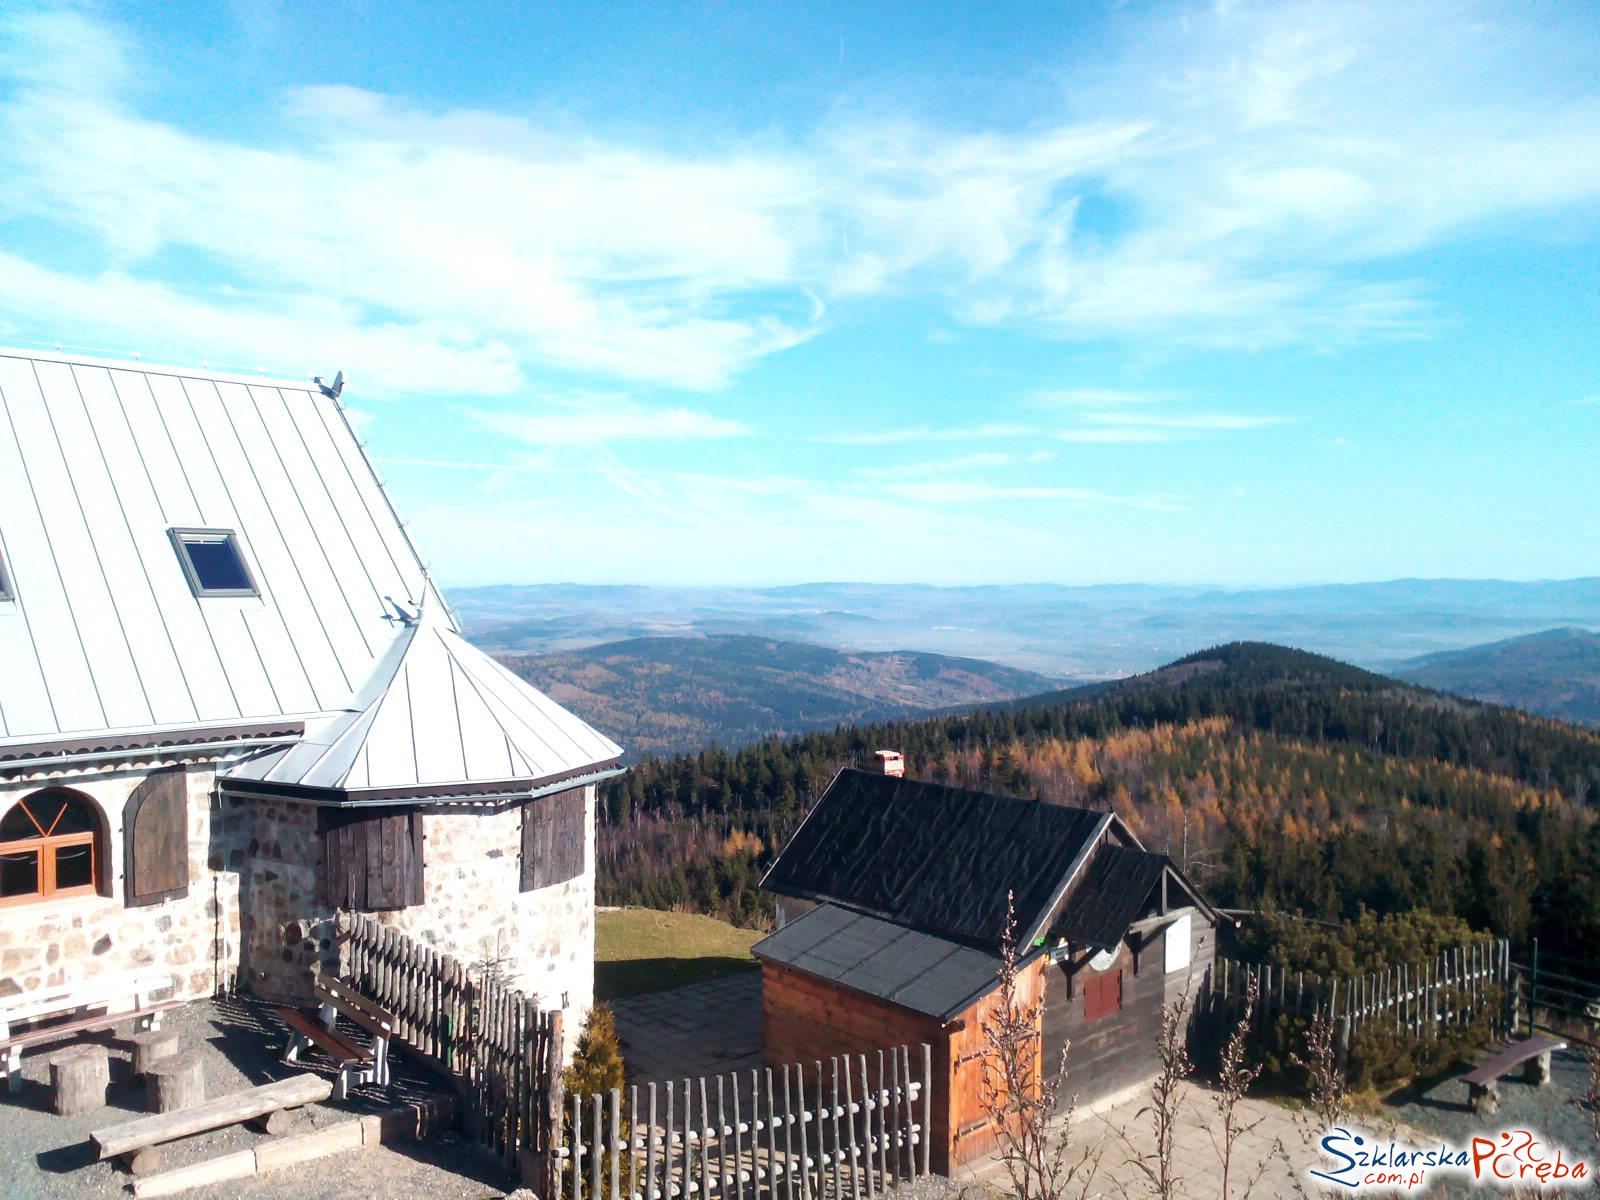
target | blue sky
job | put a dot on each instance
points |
(723, 293)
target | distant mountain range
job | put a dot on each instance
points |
(1082, 632)
(674, 694)
(1555, 673)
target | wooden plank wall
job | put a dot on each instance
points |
(1117, 1051)
(807, 1019)
(964, 1133)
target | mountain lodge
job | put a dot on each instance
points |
(234, 704)
(892, 910)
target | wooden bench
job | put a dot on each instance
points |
(357, 1064)
(80, 1007)
(144, 1132)
(1483, 1082)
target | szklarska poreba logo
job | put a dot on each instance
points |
(1510, 1158)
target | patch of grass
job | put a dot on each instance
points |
(640, 950)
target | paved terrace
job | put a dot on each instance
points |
(702, 1029)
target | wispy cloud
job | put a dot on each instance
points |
(1235, 176)
(968, 492)
(924, 433)
(1092, 397)
(981, 461)
(608, 422)
(1183, 421)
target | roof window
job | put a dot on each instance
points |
(213, 562)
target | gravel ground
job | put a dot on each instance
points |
(45, 1156)
(1558, 1110)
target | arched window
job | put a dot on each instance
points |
(50, 846)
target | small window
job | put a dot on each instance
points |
(1179, 934)
(5, 580)
(213, 562)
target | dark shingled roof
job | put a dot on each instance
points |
(914, 970)
(933, 858)
(1109, 894)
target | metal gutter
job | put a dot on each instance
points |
(331, 798)
(23, 766)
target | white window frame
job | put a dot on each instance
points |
(184, 537)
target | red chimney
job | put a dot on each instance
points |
(887, 762)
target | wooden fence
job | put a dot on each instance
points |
(853, 1126)
(1453, 988)
(503, 1055)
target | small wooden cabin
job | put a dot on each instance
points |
(892, 905)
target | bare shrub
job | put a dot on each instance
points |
(1019, 1093)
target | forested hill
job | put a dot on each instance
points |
(1281, 778)
(668, 694)
(1555, 673)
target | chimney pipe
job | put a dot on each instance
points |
(887, 762)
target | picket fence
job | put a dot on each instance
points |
(1453, 988)
(491, 1041)
(853, 1126)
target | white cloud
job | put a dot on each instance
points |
(924, 433)
(1245, 175)
(607, 421)
(968, 492)
(1145, 420)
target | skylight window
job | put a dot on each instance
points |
(213, 562)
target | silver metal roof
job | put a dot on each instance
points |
(927, 974)
(102, 637)
(436, 717)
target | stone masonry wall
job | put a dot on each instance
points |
(196, 937)
(255, 915)
(541, 942)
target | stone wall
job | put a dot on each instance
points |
(255, 915)
(197, 936)
(541, 942)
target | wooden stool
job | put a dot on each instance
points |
(151, 1046)
(79, 1076)
(176, 1081)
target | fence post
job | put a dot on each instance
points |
(772, 1141)
(554, 1095)
(927, 1106)
(805, 1119)
(649, 1149)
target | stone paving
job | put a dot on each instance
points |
(702, 1029)
(1271, 1160)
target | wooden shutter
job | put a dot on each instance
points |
(155, 837)
(1102, 995)
(554, 834)
(372, 858)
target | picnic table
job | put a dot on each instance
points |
(81, 1006)
(1483, 1081)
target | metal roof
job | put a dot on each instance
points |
(1113, 889)
(930, 975)
(437, 717)
(102, 639)
(935, 858)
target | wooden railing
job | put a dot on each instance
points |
(1454, 987)
(853, 1126)
(503, 1055)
